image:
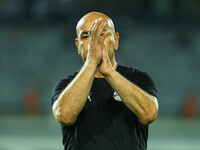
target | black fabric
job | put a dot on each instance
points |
(105, 123)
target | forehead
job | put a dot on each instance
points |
(85, 23)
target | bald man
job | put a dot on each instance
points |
(104, 106)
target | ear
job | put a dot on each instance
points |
(77, 45)
(116, 36)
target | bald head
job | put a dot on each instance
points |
(86, 21)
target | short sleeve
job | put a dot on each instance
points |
(60, 86)
(144, 81)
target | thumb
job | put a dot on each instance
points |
(105, 53)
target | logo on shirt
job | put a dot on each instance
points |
(116, 96)
(89, 96)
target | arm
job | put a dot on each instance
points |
(142, 104)
(72, 100)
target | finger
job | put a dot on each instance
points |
(105, 34)
(104, 53)
(96, 26)
(102, 27)
(91, 27)
(104, 49)
(93, 24)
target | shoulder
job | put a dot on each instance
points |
(64, 81)
(61, 85)
(140, 78)
(132, 72)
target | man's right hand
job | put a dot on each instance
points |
(96, 41)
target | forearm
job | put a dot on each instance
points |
(142, 104)
(73, 98)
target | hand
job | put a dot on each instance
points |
(96, 39)
(105, 67)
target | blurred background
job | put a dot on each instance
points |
(161, 37)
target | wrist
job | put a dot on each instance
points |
(109, 74)
(91, 63)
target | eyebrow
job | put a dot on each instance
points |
(87, 32)
(84, 32)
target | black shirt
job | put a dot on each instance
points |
(105, 123)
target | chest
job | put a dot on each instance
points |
(103, 98)
(104, 114)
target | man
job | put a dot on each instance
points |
(104, 106)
